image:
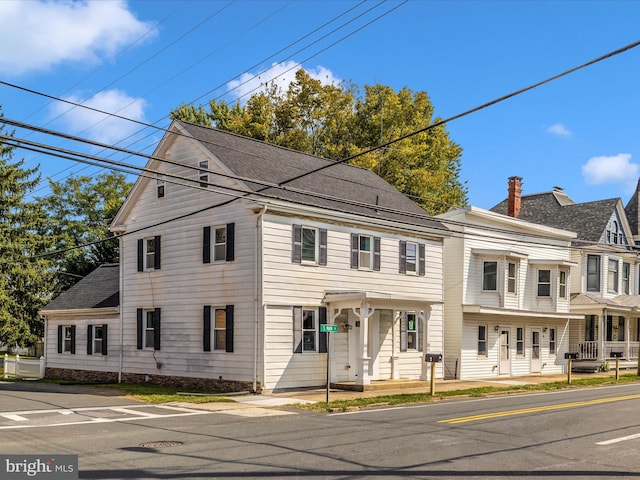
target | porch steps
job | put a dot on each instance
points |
(380, 385)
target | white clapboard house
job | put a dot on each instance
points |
(236, 253)
(507, 296)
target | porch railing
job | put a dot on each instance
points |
(589, 350)
(23, 368)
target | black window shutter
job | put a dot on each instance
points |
(231, 240)
(60, 338)
(420, 321)
(322, 320)
(141, 255)
(403, 332)
(421, 259)
(297, 329)
(156, 329)
(73, 339)
(104, 339)
(89, 339)
(296, 244)
(354, 250)
(229, 329)
(156, 258)
(376, 254)
(323, 247)
(403, 257)
(206, 335)
(206, 245)
(139, 318)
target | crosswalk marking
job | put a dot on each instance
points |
(619, 439)
(14, 417)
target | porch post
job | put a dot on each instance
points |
(364, 312)
(602, 332)
(627, 332)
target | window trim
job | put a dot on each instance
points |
(91, 339)
(616, 275)
(62, 339)
(553, 342)
(209, 328)
(482, 341)
(520, 352)
(626, 277)
(512, 279)
(486, 276)
(142, 328)
(542, 284)
(420, 258)
(405, 332)
(208, 243)
(297, 240)
(160, 187)
(143, 254)
(298, 330)
(563, 283)
(594, 274)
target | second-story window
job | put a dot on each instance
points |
(309, 245)
(489, 275)
(160, 187)
(593, 273)
(544, 283)
(218, 243)
(512, 270)
(412, 258)
(626, 272)
(203, 174)
(612, 276)
(365, 252)
(149, 253)
(562, 284)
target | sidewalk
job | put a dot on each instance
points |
(319, 395)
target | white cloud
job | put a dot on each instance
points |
(98, 126)
(40, 34)
(282, 73)
(559, 130)
(613, 169)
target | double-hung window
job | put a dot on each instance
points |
(365, 252)
(307, 337)
(489, 275)
(67, 339)
(309, 245)
(149, 253)
(482, 340)
(520, 342)
(562, 283)
(203, 174)
(512, 272)
(218, 328)
(612, 276)
(544, 283)
(626, 272)
(412, 258)
(552, 341)
(96, 339)
(593, 273)
(148, 328)
(218, 243)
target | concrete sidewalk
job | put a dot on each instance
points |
(319, 394)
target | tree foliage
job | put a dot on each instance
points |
(80, 211)
(336, 122)
(25, 278)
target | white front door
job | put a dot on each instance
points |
(535, 350)
(505, 351)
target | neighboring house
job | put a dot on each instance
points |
(507, 287)
(82, 328)
(236, 253)
(607, 262)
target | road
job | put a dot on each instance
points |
(585, 433)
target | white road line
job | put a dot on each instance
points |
(14, 417)
(619, 439)
(129, 411)
(67, 411)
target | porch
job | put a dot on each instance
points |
(601, 351)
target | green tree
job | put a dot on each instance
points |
(25, 278)
(335, 122)
(80, 211)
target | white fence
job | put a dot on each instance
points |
(23, 368)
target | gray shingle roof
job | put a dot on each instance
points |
(99, 289)
(254, 159)
(555, 209)
(632, 210)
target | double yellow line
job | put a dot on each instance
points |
(546, 408)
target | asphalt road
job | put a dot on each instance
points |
(585, 433)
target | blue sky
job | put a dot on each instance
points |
(140, 59)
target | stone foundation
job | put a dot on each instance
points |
(92, 376)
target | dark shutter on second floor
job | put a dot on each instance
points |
(421, 259)
(206, 244)
(231, 238)
(141, 255)
(322, 260)
(403, 257)
(354, 250)
(376, 254)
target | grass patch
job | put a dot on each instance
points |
(156, 394)
(409, 398)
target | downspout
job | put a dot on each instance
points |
(120, 309)
(258, 295)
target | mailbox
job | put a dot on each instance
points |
(433, 357)
(570, 356)
(616, 354)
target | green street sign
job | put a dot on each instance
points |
(324, 328)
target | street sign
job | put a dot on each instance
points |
(324, 328)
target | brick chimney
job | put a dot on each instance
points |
(514, 200)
